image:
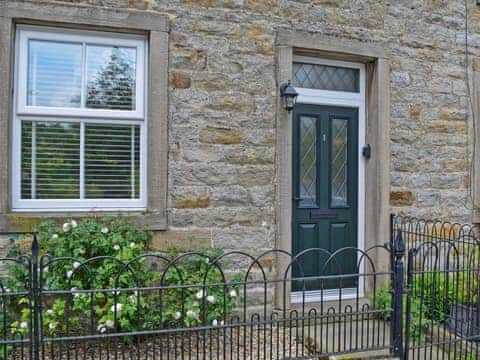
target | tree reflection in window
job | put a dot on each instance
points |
(111, 78)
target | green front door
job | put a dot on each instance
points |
(325, 193)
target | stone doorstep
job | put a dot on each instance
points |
(327, 304)
(333, 304)
(339, 315)
(331, 322)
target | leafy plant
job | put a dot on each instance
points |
(432, 296)
(209, 299)
(381, 299)
(94, 278)
(436, 291)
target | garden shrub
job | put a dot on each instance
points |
(432, 296)
(440, 290)
(418, 324)
(437, 293)
(91, 255)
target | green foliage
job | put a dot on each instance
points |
(463, 356)
(200, 300)
(418, 324)
(432, 296)
(436, 290)
(88, 259)
(382, 300)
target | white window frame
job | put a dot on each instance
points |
(24, 112)
(346, 99)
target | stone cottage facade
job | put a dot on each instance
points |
(219, 143)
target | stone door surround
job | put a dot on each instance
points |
(290, 42)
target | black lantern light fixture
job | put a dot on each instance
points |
(289, 95)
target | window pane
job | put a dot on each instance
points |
(111, 77)
(339, 162)
(112, 161)
(50, 160)
(54, 74)
(324, 77)
(308, 161)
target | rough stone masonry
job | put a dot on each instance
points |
(222, 105)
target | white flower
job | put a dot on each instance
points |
(51, 326)
(215, 322)
(74, 224)
(116, 292)
(76, 264)
(109, 323)
(200, 294)
(69, 274)
(55, 236)
(77, 294)
(66, 227)
(45, 269)
(73, 290)
(207, 260)
(6, 290)
(132, 244)
(222, 322)
(81, 251)
(233, 293)
(49, 311)
(211, 298)
(191, 313)
(118, 307)
(178, 315)
(116, 247)
(23, 325)
(101, 328)
(104, 230)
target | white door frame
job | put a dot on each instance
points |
(345, 99)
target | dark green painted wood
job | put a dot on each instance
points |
(320, 224)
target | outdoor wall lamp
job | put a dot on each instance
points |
(289, 95)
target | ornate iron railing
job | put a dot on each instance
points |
(240, 306)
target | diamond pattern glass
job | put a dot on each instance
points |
(308, 161)
(325, 77)
(339, 162)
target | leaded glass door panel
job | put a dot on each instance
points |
(325, 189)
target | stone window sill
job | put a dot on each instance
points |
(13, 223)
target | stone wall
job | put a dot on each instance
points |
(221, 172)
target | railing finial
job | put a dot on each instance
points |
(35, 245)
(399, 245)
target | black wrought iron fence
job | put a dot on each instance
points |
(192, 306)
(443, 302)
(241, 306)
(416, 232)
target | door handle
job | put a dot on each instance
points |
(298, 198)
